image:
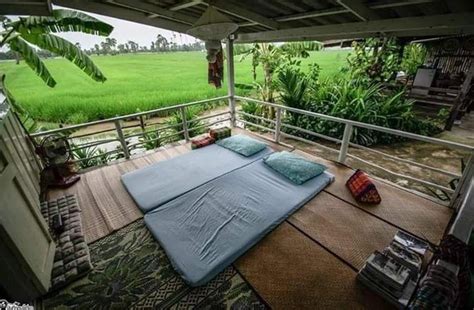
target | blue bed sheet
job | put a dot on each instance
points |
(206, 229)
(159, 183)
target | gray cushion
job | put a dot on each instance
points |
(295, 167)
(242, 144)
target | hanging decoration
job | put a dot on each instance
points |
(212, 27)
(215, 60)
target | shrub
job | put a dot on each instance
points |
(191, 114)
(150, 140)
(413, 56)
(87, 152)
(354, 100)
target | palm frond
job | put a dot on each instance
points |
(20, 46)
(62, 21)
(67, 50)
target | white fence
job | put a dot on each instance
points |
(124, 146)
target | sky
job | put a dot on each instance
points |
(123, 32)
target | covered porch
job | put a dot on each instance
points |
(312, 258)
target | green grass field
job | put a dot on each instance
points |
(135, 82)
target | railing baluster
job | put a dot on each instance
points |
(346, 138)
(118, 127)
(185, 123)
(467, 175)
(142, 122)
(230, 78)
(278, 125)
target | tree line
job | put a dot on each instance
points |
(110, 46)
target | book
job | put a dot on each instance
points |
(413, 243)
(388, 270)
(405, 256)
(400, 300)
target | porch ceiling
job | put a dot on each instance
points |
(286, 20)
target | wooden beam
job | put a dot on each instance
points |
(336, 11)
(393, 4)
(434, 24)
(19, 7)
(230, 8)
(155, 10)
(312, 14)
(122, 13)
(359, 9)
(184, 4)
(401, 34)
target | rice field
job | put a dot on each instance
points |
(135, 82)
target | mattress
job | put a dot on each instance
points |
(154, 185)
(206, 229)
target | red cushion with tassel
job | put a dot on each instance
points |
(362, 188)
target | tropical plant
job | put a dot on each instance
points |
(133, 46)
(150, 140)
(21, 35)
(348, 99)
(293, 85)
(100, 156)
(194, 127)
(413, 56)
(272, 58)
(161, 43)
(374, 60)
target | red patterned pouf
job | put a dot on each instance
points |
(201, 142)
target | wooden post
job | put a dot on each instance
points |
(185, 123)
(346, 138)
(142, 122)
(278, 125)
(460, 98)
(118, 127)
(230, 78)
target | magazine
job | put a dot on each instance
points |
(405, 256)
(388, 270)
(399, 299)
(413, 243)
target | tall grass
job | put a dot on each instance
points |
(134, 82)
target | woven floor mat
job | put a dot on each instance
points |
(106, 204)
(348, 232)
(411, 212)
(290, 271)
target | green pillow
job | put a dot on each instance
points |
(293, 166)
(242, 144)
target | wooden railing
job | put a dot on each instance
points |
(119, 135)
(343, 151)
(123, 135)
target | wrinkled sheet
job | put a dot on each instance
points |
(206, 229)
(154, 185)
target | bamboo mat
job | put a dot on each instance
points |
(105, 203)
(290, 271)
(348, 232)
(401, 208)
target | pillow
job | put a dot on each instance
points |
(294, 167)
(242, 144)
(362, 188)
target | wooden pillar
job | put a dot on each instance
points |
(461, 97)
(230, 78)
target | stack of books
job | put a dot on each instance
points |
(393, 273)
